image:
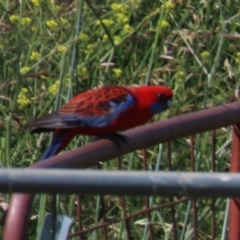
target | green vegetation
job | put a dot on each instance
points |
(52, 50)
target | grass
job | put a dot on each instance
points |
(52, 50)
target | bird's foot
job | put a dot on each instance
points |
(116, 138)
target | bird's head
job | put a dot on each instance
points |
(155, 98)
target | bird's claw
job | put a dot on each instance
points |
(116, 138)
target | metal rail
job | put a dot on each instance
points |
(103, 150)
(234, 207)
(142, 183)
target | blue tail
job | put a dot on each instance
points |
(53, 149)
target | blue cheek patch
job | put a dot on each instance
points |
(100, 120)
(158, 107)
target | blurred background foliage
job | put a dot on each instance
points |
(52, 50)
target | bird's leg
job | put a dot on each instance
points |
(116, 138)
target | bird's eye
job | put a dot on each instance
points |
(160, 97)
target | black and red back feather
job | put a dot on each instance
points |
(94, 108)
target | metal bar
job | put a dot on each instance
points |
(234, 208)
(172, 209)
(21, 227)
(103, 150)
(102, 212)
(146, 199)
(141, 183)
(123, 204)
(213, 208)
(145, 136)
(194, 201)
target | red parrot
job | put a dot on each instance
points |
(100, 111)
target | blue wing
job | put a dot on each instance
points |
(85, 113)
(116, 109)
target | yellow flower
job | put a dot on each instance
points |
(237, 60)
(24, 70)
(26, 21)
(35, 56)
(118, 7)
(181, 74)
(23, 100)
(83, 37)
(53, 89)
(163, 24)
(127, 28)
(98, 22)
(36, 3)
(169, 6)
(62, 49)
(107, 22)
(205, 55)
(89, 48)
(105, 38)
(14, 18)
(117, 40)
(24, 90)
(63, 21)
(67, 79)
(82, 70)
(238, 55)
(122, 18)
(117, 72)
(43, 77)
(51, 24)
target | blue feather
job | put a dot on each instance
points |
(51, 151)
(93, 121)
(100, 121)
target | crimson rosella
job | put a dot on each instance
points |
(104, 110)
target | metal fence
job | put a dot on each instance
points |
(183, 190)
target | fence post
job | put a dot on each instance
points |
(234, 209)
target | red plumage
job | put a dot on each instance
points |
(104, 110)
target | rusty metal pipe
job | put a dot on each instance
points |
(103, 150)
(234, 207)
